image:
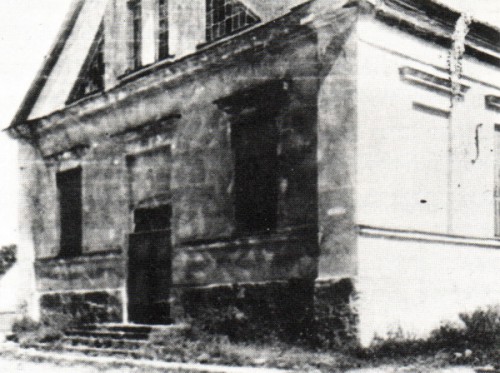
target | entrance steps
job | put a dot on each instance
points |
(113, 339)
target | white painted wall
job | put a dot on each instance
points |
(403, 159)
(403, 156)
(416, 285)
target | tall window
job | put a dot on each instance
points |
(69, 186)
(163, 29)
(227, 16)
(256, 174)
(136, 34)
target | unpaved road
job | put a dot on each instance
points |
(10, 365)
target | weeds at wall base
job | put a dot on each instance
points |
(475, 341)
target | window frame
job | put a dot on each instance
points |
(228, 21)
(163, 30)
(135, 34)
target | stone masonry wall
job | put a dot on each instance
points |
(337, 147)
(206, 246)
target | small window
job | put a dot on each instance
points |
(225, 17)
(69, 186)
(91, 77)
(163, 29)
(136, 33)
(256, 174)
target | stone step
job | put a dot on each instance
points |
(126, 328)
(103, 351)
(103, 342)
(98, 333)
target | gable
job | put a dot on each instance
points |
(68, 67)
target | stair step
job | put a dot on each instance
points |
(103, 342)
(107, 334)
(126, 328)
(102, 351)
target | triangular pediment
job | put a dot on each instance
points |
(74, 68)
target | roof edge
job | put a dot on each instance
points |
(43, 73)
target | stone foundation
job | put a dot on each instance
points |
(83, 272)
(91, 307)
(319, 313)
(335, 316)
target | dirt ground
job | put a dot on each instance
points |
(20, 366)
(11, 365)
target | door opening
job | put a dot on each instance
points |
(149, 267)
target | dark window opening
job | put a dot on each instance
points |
(152, 219)
(69, 186)
(136, 33)
(91, 77)
(163, 30)
(256, 175)
(225, 17)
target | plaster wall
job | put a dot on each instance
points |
(407, 177)
(423, 177)
(415, 285)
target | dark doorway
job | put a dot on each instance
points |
(69, 186)
(149, 269)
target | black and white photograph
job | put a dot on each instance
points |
(250, 186)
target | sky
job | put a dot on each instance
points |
(27, 30)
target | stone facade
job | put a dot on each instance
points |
(161, 152)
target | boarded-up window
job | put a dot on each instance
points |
(225, 17)
(149, 174)
(256, 174)
(163, 29)
(69, 186)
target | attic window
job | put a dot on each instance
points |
(225, 17)
(163, 29)
(91, 77)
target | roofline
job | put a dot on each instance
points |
(481, 37)
(48, 65)
(481, 34)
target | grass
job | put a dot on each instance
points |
(212, 349)
(474, 341)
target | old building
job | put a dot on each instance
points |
(278, 157)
